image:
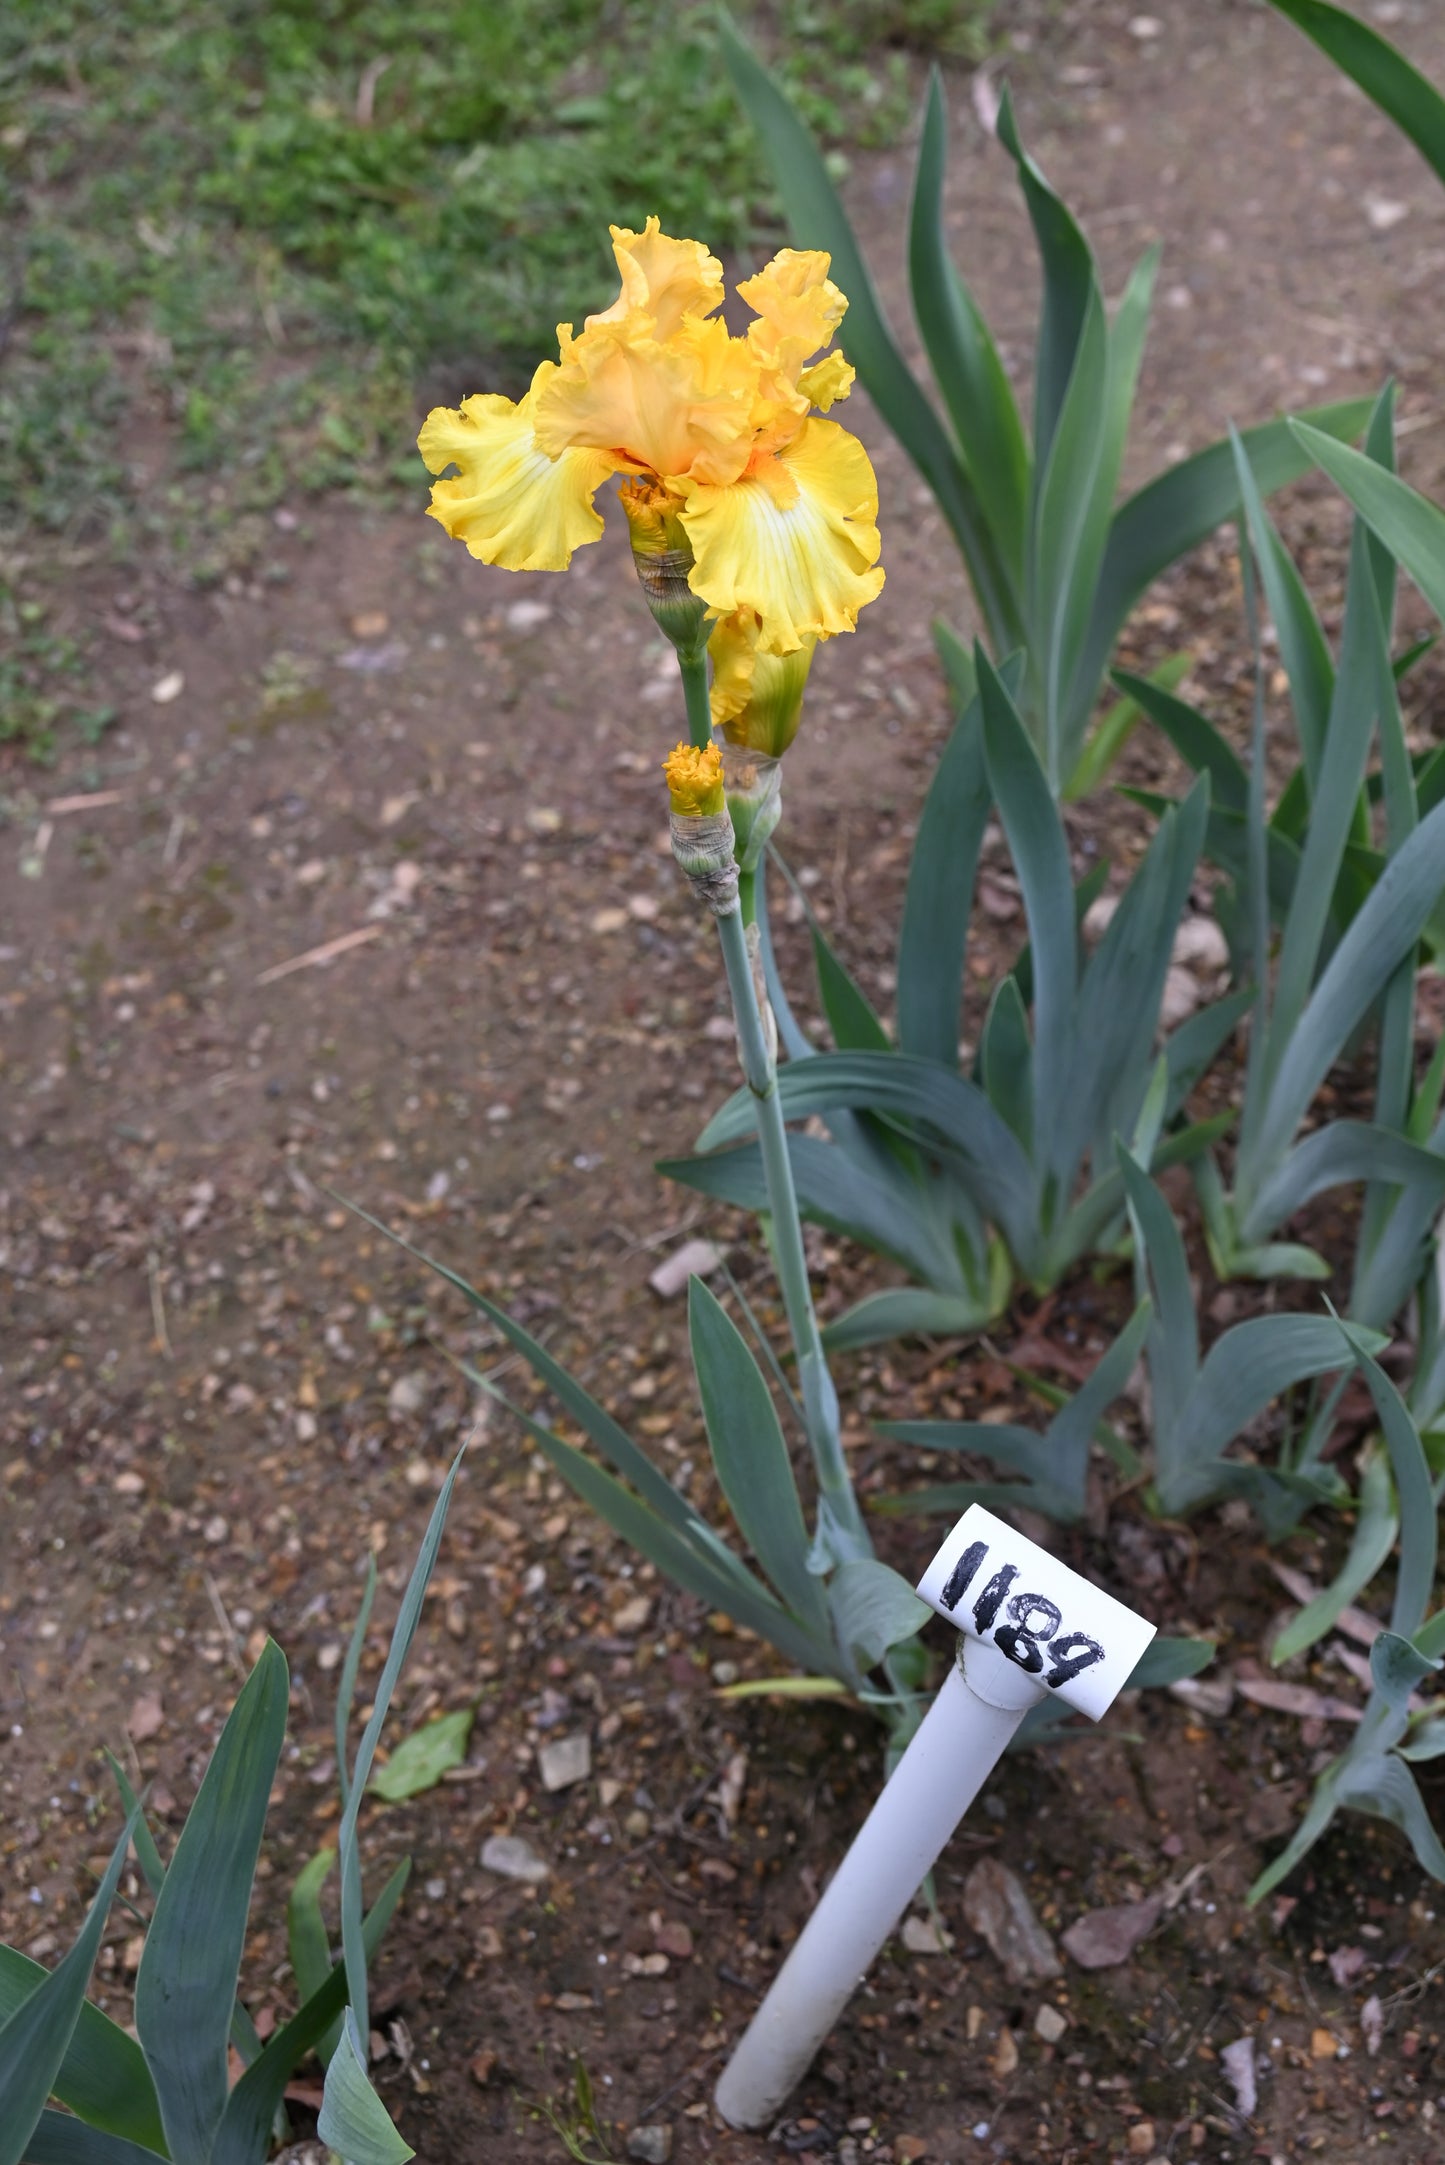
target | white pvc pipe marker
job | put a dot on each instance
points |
(1032, 1629)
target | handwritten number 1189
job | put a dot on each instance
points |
(1033, 1621)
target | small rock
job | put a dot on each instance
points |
(482, 2066)
(168, 687)
(305, 1427)
(721, 1029)
(610, 919)
(371, 624)
(396, 808)
(147, 1718)
(609, 1789)
(1237, 2060)
(632, 1617)
(1323, 2045)
(511, 1858)
(573, 2003)
(645, 908)
(922, 1936)
(1141, 2139)
(1050, 2024)
(907, 2149)
(1200, 945)
(637, 1826)
(694, 1259)
(1180, 998)
(1209, 1697)
(565, 1761)
(997, 1907)
(1145, 27)
(1384, 212)
(650, 2145)
(1372, 2024)
(527, 615)
(675, 1939)
(1005, 2057)
(1103, 1938)
(408, 1394)
(374, 661)
(544, 819)
(654, 1965)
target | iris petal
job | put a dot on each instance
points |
(511, 504)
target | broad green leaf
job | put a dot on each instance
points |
(420, 1760)
(1397, 1666)
(353, 1939)
(1345, 1150)
(909, 1312)
(36, 2037)
(851, 1017)
(816, 219)
(882, 1213)
(1427, 1741)
(1115, 728)
(1386, 927)
(353, 2119)
(941, 872)
(730, 1587)
(1061, 524)
(186, 1985)
(103, 2076)
(60, 2139)
(1182, 507)
(1006, 1061)
(1169, 1661)
(346, 1688)
(1040, 853)
(1070, 706)
(1161, 1270)
(873, 1608)
(1193, 736)
(253, 2103)
(1419, 1531)
(1070, 283)
(1386, 1789)
(750, 1456)
(1242, 1372)
(962, 354)
(956, 661)
(1073, 1427)
(307, 1940)
(1411, 527)
(962, 1122)
(1370, 1545)
(1400, 91)
(1303, 648)
(1121, 991)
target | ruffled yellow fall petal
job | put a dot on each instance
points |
(827, 381)
(511, 503)
(795, 539)
(664, 280)
(683, 408)
(695, 781)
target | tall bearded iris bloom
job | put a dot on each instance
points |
(730, 476)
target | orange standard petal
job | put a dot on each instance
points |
(663, 280)
(796, 539)
(682, 408)
(511, 502)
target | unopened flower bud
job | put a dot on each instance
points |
(702, 831)
(755, 800)
(663, 557)
(757, 698)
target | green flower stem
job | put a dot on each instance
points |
(843, 1526)
(694, 690)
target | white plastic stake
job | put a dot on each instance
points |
(1032, 1629)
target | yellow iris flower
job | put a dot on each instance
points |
(719, 434)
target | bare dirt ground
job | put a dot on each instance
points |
(222, 1391)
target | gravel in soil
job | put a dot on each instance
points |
(223, 1391)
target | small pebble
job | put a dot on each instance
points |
(565, 1761)
(511, 1858)
(650, 2145)
(1050, 2024)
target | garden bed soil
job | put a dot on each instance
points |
(222, 1390)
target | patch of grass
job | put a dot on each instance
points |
(237, 241)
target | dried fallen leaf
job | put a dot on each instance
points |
(1295, 1699)
(1237, 2060)
(147, 1718)
(997, 1907)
